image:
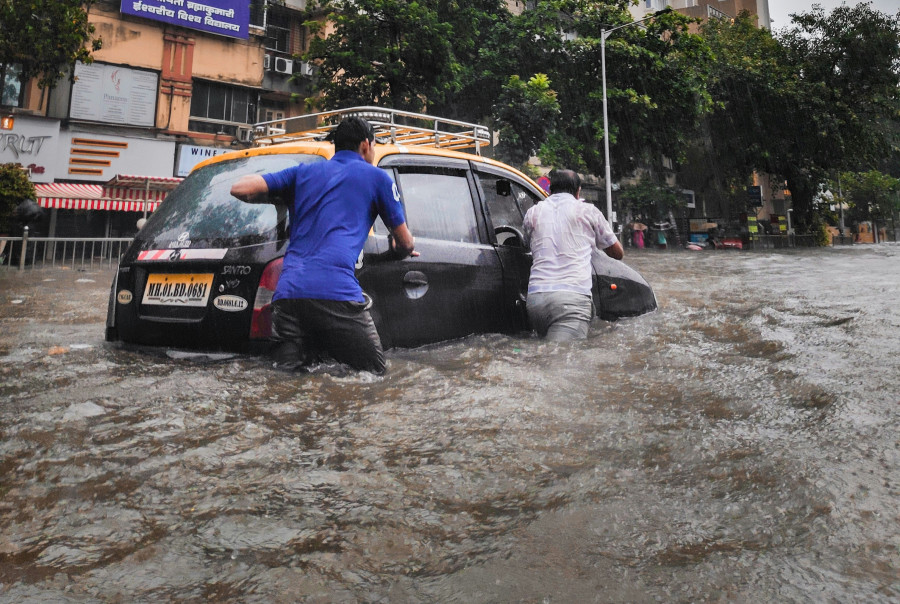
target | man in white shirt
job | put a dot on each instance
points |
(562, 231)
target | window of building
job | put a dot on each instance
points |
(12, 89)
(258, 13)
(219, 108)
(438, 203)
(272, 114)
(278, 38)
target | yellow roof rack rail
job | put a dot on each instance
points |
(391, 126)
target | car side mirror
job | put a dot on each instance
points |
(504, 188)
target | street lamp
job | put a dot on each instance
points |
(604, 34)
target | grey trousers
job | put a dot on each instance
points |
(305, 329)
(560, 316)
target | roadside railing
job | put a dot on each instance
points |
(76, 252)
(780, 241)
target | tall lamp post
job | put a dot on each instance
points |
(604, 34)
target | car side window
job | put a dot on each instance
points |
(500, 200)
(438, 203)
(507, 201)
(524, 197)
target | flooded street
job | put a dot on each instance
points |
(739, 445)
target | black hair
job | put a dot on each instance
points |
(565, 181)
(350, 133)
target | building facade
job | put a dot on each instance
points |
(175, 82)
(707, 9)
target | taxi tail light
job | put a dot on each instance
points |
(261, 323)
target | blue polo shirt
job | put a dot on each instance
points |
(335, 204)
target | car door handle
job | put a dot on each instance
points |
(415, 284)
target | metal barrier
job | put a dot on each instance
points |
(77, 252)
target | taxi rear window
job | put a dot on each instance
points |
(202, 206)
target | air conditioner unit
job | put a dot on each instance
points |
(306, 68)
(267, 62)
(245, 135)
(283, 65)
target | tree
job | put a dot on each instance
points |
(524, 114)
(412, 55)
(43, 39)
(872, 195)
(15, 187)
(846, 69)
(749, 84)
(655, 82)
(649, 200)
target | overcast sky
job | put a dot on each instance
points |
(779, 10)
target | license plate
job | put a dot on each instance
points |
(177, 290)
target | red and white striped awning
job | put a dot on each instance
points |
(153, 183)
(133, 194)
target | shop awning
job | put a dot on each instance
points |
(122, 193)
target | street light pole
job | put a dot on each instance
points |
(604, 34)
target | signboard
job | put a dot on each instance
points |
(191, 155)
(754, 195)
(114, 94)
(32, 142)
(94, 157)
(752, 227)
(224, 17)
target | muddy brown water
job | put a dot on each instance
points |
(738, 445)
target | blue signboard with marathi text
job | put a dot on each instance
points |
(224, 17)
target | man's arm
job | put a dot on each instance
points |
(402, 242)
(615, 251)
(250, 188)
(603, 234)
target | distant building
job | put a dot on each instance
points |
(707, 9)
(175, 82)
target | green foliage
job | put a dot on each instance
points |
(846, 71)
(821, 98)
(44, 38)
(417, 55)
(871, 195)
(655, 82)
(649, 200)
(399, 54)
(523, 115)
(749, 85)
(15, 187)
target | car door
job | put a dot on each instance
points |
(506, 199)
(455, 286)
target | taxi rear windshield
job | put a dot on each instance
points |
(202, 206)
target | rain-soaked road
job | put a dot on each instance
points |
(739, 445)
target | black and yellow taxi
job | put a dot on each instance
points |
(201, 272)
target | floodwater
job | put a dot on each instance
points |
(739, 445)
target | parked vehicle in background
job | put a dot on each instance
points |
(201, 273)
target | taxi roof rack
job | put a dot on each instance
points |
(391, 125)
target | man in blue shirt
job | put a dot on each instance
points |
(318, 303)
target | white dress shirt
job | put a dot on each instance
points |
(563, 232)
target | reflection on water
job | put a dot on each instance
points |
(737, 445)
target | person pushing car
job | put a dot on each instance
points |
(318, 305)
(562, 232)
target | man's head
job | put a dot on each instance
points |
(352, 132)
(565, 181)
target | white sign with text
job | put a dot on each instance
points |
(114, 94)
